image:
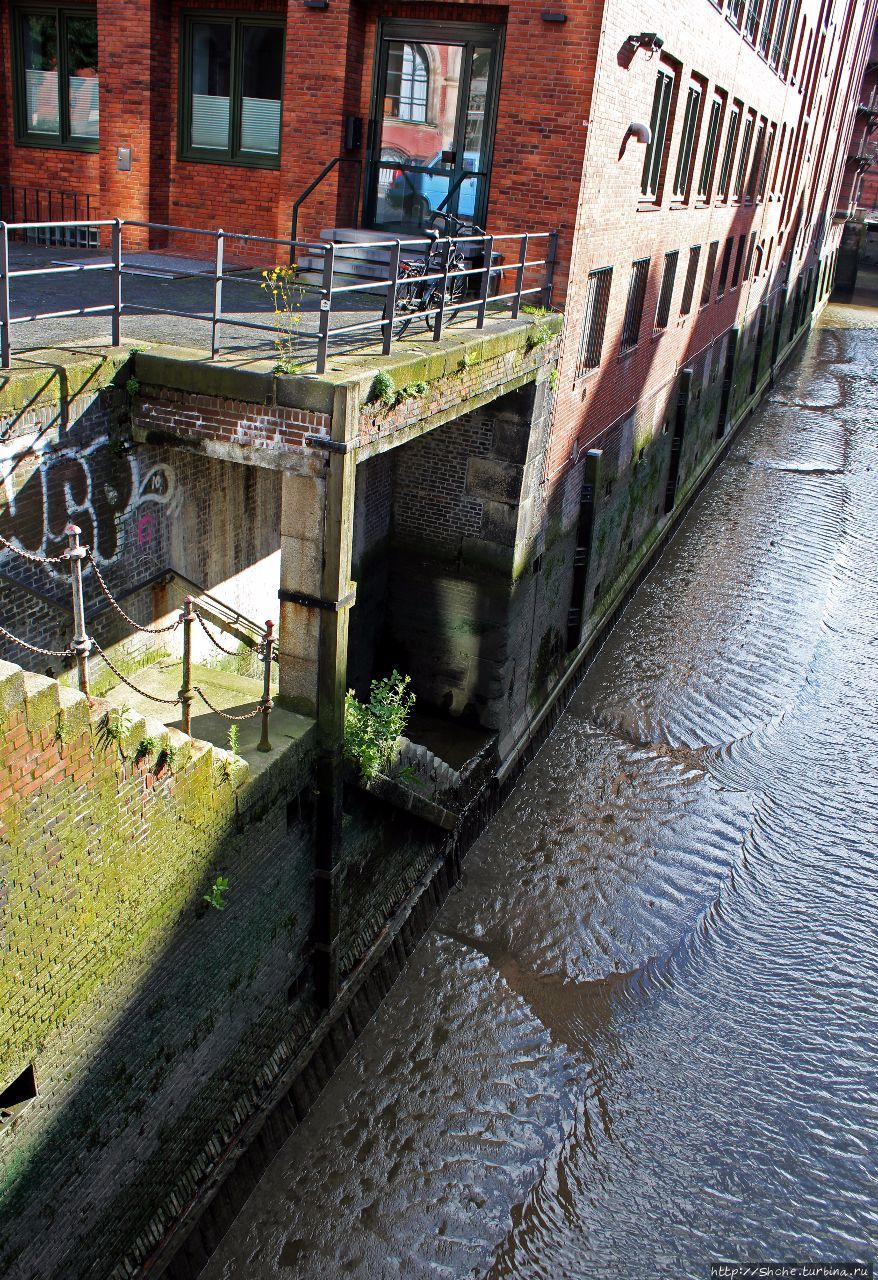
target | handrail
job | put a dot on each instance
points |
(325, 171)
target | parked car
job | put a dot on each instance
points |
(419, 192)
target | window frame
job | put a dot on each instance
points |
(713, 137)
(727, 164)
(689, 138)
(663, 112)
(632, 323)
(594, 321)
(234, 154)
(23, 136)
(688, 294)
(666, 291)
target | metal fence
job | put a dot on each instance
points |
(485, 291)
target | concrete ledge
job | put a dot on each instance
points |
(47, 377)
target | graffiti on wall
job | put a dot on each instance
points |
(96, 487)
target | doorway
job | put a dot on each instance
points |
(432, 125)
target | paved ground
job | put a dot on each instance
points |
(159, 282)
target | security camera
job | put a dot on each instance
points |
(657, 42)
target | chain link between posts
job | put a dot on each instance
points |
(153, 631)
(29, 555)
(232, 653)
(46, 653)
(168, 702)
(225, 715)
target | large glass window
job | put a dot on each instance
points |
(408, 82)
(56, 77)
(230, 89)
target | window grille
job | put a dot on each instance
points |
(708, 272)
(597, 301)
(750, 255)
(711, 146)
(745, 156)
(791, 34)
(756, 166)
(658, 127)
(768, 19)
(689, 282)
(634, 305)
(766, 164)
(687, 142)
(724, 267)
(752, 23)
(666, 293)
(729, 153)
(739, 260)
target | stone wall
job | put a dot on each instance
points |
(153, 1022)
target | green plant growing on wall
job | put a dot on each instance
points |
(233, 739)
(168, 758)
(286, 298)
(214, 898)
(147, 747)
(383, 389)
(553, 378)
(467, 360)
(132, 386)
(536, 336)
(371, 729)
(539, 312)
(113, 727)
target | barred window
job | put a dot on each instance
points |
(729, 153)
(687, 142)
(724, 267)
(767, 20)
(666, 293)
(708, 272)
(739, 259)
(634, 305)
(711, 147)
(750, 255)
(658, 128)
(745, 155)
(597, 300)
(756, 166)
(689, 282)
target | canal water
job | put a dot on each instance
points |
(643, 1034)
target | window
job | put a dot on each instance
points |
(711, 147)
(766, 164)
(729, 153)
(750, 255)
(230, 89)
(768, 19)
(724, 267)
(756, 166)
(739, 260)
(597, 299)
(779, 32)
(752, 23)
(666, 293)
(408, 80)
(634, 305)
(745, 156)
(56, 77)
(708, 272)
(689, 282)
(687, 142)
(658, 128)
(791, 34)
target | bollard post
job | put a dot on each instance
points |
(116, 336)
(217, 294)
(187, 617)
(81, 643)
(267, 704)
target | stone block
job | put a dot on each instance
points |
(499, 523)
(494, 479)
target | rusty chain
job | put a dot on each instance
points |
(29, 555)
(222, 648)
(225, 715)
(153, 631)
(46, 653)
(168, 702)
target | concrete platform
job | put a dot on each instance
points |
(232, 693)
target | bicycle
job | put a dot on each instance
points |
(417, 296)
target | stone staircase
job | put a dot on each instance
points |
(356, 261)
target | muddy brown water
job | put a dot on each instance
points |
(643, 1034)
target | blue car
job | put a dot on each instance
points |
(420, 192)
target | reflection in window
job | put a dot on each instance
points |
(408, 81)
(59, 49)
(235, 73)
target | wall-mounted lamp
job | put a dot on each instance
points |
(640, 132)
(646, 40)
(549, 16)
(316, 4)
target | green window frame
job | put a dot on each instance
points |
(597, 301)
(55, 106)
(711, 149)
(745, 155)
(658, 128)
(666, 292)
(686, 153)
(634, 305)
(219, 121)
(689, 283)
(729, 153)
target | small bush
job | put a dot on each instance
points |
(233, 739)
(132, 386)
(383, 388)
(372, 729)
(215, 897)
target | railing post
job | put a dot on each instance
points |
(267, 704)
(325, 307)
(549, 277)
(443, 287)
(5, 344)
(187, 617)
(519, 276)
(81, 644)
(390, 301)
(485, 289)
(117, 282)
(217, 294)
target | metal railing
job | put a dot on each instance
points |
(478, 294)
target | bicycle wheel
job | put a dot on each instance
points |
(454, 292)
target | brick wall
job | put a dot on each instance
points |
(152, 1020)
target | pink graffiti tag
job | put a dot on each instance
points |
(146, 530)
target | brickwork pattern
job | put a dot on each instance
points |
(249, 426)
